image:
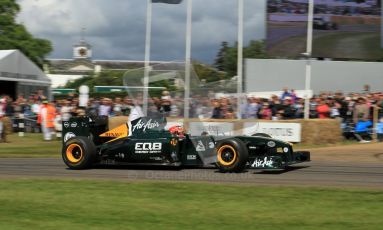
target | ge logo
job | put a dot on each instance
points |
(68, 136)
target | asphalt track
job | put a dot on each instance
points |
(315, 173)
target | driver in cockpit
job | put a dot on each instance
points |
(178, 131)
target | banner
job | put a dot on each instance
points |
(283, 131)
(211, 128)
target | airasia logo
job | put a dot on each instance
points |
(147, 147)
(141, 125)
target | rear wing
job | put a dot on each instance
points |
(147, 124)
(90, 127)
(97, 129)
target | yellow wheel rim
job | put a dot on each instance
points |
(74, 153)
(226, 155)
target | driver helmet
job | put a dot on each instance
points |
(177, 130)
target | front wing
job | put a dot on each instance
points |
(278, 161)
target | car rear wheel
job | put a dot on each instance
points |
(232, 155)
(79, 153)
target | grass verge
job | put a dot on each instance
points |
(363, 45)
(31, 145)
(300, 146)
(84, 204)
(336, 44)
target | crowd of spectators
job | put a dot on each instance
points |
(338, 8)
(351, 107)
(287, 105)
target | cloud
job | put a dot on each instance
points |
(116, 29)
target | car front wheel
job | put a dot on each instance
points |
(232, 155)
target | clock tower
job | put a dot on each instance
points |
(82, 50)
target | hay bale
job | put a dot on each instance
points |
(321, 131)
(7, 125)
(314, 131)
(356, 20)
(317, 131)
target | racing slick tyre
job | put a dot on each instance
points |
(232, 155)
(261, 135)
(79, 153)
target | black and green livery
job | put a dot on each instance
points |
(87, 142)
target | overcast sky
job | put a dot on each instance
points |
(116, 28)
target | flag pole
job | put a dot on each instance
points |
(188, 58)
(308, 57)
(240, 59)
(147, 55)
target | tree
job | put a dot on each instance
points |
(115, 78)
(16, 36)
(9, 8)
(255, 49)
(219, 61)
(207, 73)
(227, 56)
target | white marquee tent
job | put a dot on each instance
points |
(19, 75)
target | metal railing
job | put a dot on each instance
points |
(25, 124)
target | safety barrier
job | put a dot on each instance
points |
(25, 124)
(28, 124)
(313, 131)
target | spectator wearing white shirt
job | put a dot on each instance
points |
(66, 111)
(117, 106)
(105, 108)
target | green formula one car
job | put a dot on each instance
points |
(145, 141)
